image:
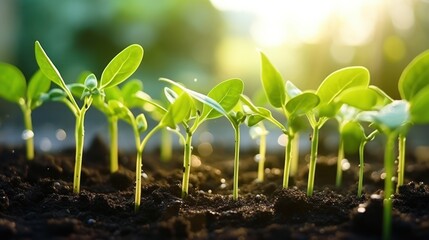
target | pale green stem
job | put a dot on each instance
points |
(79, 138)
(139, 164)
(295, 155)
(113, 131)
(288, 160)
(313, 160)
(401, 161)
(262, 155)
(361, 167)
(186, 164)
(236, 160)
(388, 185)
(29, 140)
(166, 145)
(340, 158)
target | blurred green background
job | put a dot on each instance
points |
(209, 41)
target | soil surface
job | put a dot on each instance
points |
(36, 199)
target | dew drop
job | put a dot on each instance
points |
(257, 157)
(209, 191)
(222, 180)
(383, 175)
(27, 134)
(223, 185)
(144, 175)
(345, 164)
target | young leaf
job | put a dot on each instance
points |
(47, 67)
(178, 111)
(302, 103)
(227, 94)
(419, 107)
(120, 110)
(38, 84)
(393, 115)
(340, 80)
(383, 99)
(200, 97)
(414, 77)
(272, 82)
(359, 97)
(12, 83)
(141, 123)
(130, 88)
(122, 66)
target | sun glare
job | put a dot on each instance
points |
(310, 21)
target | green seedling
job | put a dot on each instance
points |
(118, 70)
(414, 79)
(352, 102)
(13, 88)
(139, 126)
(131, 95)
(292, 102)
(219, 101)
(329, 89)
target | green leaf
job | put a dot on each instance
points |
(130, 89)
(341, 80)
(272, 83)
(114, 93)
(55, 94)
(122, 66)
(227, 94)
(382, 99)
(363, 98)
(302, 103)
(353, 134)
(76, 89)
(38, 85)
(12, 83)
(393, 115)
(200, 97)
(141, 123)
(120, 110)
(47, 67)
(415, 76)
(90, 82)
(253, 119)
(419, 107)
(178, 111)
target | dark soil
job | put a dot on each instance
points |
(36, 200)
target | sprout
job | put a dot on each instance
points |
(118, 70)
(13, 88)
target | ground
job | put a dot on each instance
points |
(36, 200)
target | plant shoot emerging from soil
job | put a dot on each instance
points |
(13, 88)
(118, 70)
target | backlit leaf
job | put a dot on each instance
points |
(415, 76)
(302, 103)
(227, 94)
(341, 80)
(38, 84)
(47, 67)
(122, 66)
(272, 82)
(178, 111)
(12, 83)
(419, 107)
